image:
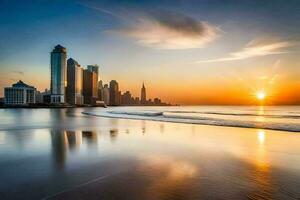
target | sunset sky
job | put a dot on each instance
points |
(186, 52)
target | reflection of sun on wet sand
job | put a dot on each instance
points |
(172, 176)
(263, 184)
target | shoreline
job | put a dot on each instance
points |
(193, 122)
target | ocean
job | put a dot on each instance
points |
(286, 118)
(186, 152)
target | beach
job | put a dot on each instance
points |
(150, 153)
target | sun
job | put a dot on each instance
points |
(261, 95)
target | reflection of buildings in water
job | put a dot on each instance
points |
(74, 139)
(19, 138)
(60, 144)
(143, 127)
(57, 116)
(90, 136)
(113, 134)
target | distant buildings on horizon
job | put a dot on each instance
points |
(71, 84)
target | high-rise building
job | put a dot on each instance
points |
(126, 98)
(143, 95)
(19, 94)
(136, 100)
(106, 93)
(94, 68)
(74, 82)
(90, 91)
(113, 93)
(157, 101)
(100, 90)
(58, 74)
(119, 98)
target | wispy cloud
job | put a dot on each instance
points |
(18, 72)
(169, 30)
(255, 48)
(102, 10)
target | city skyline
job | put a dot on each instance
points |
(205, 54)
(74, 85)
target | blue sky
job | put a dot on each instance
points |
(167, 44)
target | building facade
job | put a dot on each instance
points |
(100, 90)
(126, 98)
(74, 82)
(105, 93)
(19, 94)
(58, 74)
(143, 95)
(113, 93)
(94, 68)
(40, 96)
(90, 91)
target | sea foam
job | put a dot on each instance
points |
(207, 118)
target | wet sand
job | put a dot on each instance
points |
(62, 154)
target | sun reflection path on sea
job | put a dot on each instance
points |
(261, 112)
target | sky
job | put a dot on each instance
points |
(186, 52)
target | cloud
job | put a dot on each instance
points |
(169, 30)
(18, 72)
(255, 48)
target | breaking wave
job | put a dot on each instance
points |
(281, 122)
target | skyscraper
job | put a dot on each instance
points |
(143, 95)
(113, 93)
(126, 98)
(100, 90)
(106, 94)
(74, 82)
(90, 91)
(94, 68)
(58, 74)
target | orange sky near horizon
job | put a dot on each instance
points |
(226, 91)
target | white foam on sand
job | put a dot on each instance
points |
(190, 118)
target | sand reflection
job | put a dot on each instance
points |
(263, 186)
(169, 177)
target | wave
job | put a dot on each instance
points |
(139, 113)
(241, 114)
(166, 117)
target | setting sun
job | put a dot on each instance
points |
(261, 95)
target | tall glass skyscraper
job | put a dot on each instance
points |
(74, 82)
(113, 93)
(94, 68)
(58, 74)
